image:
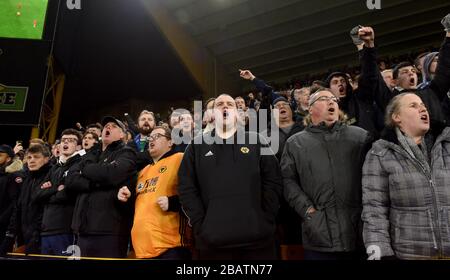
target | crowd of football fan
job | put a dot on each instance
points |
(361, 169)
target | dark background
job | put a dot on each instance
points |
(115, 60)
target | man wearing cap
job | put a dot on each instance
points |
(100, 220)
(288, 223)
(11, 179)
(321, 168)
(285, 122)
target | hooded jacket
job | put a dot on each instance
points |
(426, 75)
(11, 178)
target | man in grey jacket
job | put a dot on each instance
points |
(321, 168)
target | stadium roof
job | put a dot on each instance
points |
(287, 38)
(115, 53)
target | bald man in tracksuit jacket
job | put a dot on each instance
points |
(230, 194)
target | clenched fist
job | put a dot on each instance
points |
(367, 35)
(46, 185)
(446, 22)
(163, 202)
(246, 74)
(124, 194)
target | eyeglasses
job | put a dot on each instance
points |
(156, 136)
(69, 140)
(325, 98)
(280, 105)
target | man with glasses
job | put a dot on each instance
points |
(100, 220)
(158, 227)
(59, 203)
(287, 220)
(285, 122)
(321, 168)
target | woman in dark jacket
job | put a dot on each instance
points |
(406, 191)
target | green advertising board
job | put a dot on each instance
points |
(13, 98)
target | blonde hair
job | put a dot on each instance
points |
(392, 108)
(37, 141)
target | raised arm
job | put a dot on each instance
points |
(266, 90)
(441, 81)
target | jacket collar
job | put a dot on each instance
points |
(15, 165)
(114, 146)
(438, 133)
(436, 129)
(41, 171)
(168, 154)
(402, 90)
(297, 127)
(322, 127)
(75, 157)
(212, 135)
(389, 135)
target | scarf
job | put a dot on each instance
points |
(418, 152)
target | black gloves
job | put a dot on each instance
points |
(446, 23)
(354, 35)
